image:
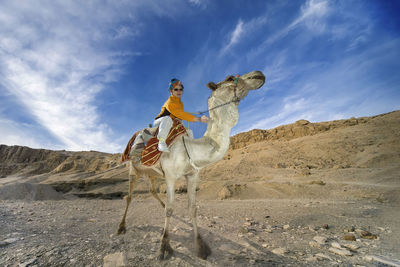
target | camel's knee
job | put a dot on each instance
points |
(169, 212)
(128, 199)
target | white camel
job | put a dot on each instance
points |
(188, 156)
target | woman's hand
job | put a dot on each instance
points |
(203, 118)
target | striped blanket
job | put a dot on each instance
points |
(150, 154)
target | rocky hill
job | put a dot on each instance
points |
(278, 162)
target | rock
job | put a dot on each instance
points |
(117, 259)
(28, 262)
(341, 252)
(367, 235)
(321, 256)
(325, 226)
(349, 237)
(320, 239)
(302, 122)
(286, 227)
(336, 245)
(314, 244)
(279, 251)
(352, 247)
(8, 241)
(318, 182)
(383, 260)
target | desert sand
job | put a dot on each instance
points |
(303, 194)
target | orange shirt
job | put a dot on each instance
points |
(175, 106)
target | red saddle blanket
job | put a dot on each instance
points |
(150, 154)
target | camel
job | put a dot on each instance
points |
(188, 156)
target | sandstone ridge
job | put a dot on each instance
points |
(360, 154)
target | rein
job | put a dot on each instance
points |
(234, 100)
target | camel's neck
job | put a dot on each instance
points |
(220, 134)
(215, 142)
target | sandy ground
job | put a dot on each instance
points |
(262, 232)
(303, 198)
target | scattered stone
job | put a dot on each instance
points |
(311, 258)
(247, 224)
(367, 235)
(8, 241)
(28, 262)
(349, 237)
(321, 256)
(314, 244)
(280, 251)
(352, 247)
(336, 245)
(224, 193)
(320, 239)
(318, 182)
(341, 252)
(117, 259)
(286, 227)
(383, 260)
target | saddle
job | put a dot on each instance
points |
(143, 144)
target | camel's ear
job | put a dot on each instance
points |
(230, 78)
(212, 86)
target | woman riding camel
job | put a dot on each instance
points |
(173, 108)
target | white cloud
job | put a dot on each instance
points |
(52, 61)
(312, 14)
(199, 3)
(243, 29)
(234, 36)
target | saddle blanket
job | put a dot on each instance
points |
(150, 154)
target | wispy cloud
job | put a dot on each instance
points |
(234, 37)
(57, 58)
(50, 62)
(241, 30)
(345, 88)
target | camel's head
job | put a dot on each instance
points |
(228, 93)
(239, 85)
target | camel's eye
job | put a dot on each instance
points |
(230, 79)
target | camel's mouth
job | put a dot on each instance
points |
(254, 79)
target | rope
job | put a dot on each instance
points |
(234, 100)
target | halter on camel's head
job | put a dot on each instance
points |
(235, 88)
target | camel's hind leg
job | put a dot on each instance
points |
(132, 181)
(154, 192)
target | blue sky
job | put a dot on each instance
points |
(85, 75)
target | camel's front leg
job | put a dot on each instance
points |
(201, 247)
(165, 250)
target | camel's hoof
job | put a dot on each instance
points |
(165, 252)
(121, 230)
(203, 250)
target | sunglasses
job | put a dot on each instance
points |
(178, 89)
